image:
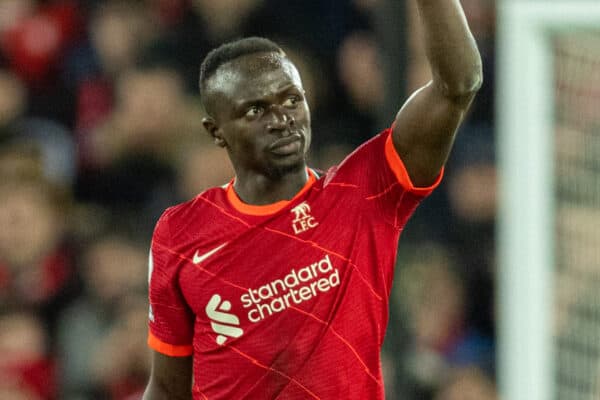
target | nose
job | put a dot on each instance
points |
(280, 120)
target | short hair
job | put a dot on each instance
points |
(232, 50)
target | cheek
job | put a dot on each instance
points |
(303, 116)
(247, 141)
(308, 140)
(304, 121)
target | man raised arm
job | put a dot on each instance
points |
(425, 126)
(276, 285)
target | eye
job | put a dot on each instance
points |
(291, 101)
(253, 111)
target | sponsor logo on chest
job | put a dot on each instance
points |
(297, 286)
(303, 220)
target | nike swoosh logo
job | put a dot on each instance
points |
(198, 258)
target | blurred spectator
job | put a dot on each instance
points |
(473, 192)
(360, 71)
(118, 32)
(223, 19)
(34, 37)
(19, 160)
(200, 167)
(471, 184)
(185, 30)
(27, 371)
(13, 12)
(56, 147)
(121, 361)
(362, 81)
(52, 140)
(149, 116)
(36, 261)
(13, 100)
(432, 294)
(134, 151)
(472, 199)
(37, 37)
(113, 271)
(319, 26)
(467, 384)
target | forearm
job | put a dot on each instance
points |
(450, 47)
(155, 391)
(170, 378)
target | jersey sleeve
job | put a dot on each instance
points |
(377, 171)
(171, 322)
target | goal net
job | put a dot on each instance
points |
(549, 222)
(577, 194)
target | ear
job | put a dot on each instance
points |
(213, 130)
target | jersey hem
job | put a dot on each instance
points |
(397, 166)
(169, 349)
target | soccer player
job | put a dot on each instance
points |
(276, 285)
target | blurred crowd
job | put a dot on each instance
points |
(100, 131)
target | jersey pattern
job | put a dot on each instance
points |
(287, 300)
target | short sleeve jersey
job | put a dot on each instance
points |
(287, 300)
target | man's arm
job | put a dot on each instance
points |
(425, 126)
(170, 379)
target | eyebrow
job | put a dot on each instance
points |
(262, 99)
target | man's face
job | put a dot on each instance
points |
(260, 115)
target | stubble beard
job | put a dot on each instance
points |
(278, 172)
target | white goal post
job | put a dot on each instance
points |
(526, 231)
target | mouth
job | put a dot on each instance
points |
(287, 145)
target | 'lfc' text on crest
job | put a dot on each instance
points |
(303, 221)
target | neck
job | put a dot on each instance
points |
(260, 189)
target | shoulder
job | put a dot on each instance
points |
(192, 211)
(373, 148)
(361, 160)
(199, 204)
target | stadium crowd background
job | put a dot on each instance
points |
(100, 132)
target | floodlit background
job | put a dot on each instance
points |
(100, 132)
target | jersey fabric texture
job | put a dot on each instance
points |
(287, 300)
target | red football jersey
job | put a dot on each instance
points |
(287, 300)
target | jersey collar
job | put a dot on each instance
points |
(266, 209)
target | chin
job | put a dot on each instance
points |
(281, 169)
